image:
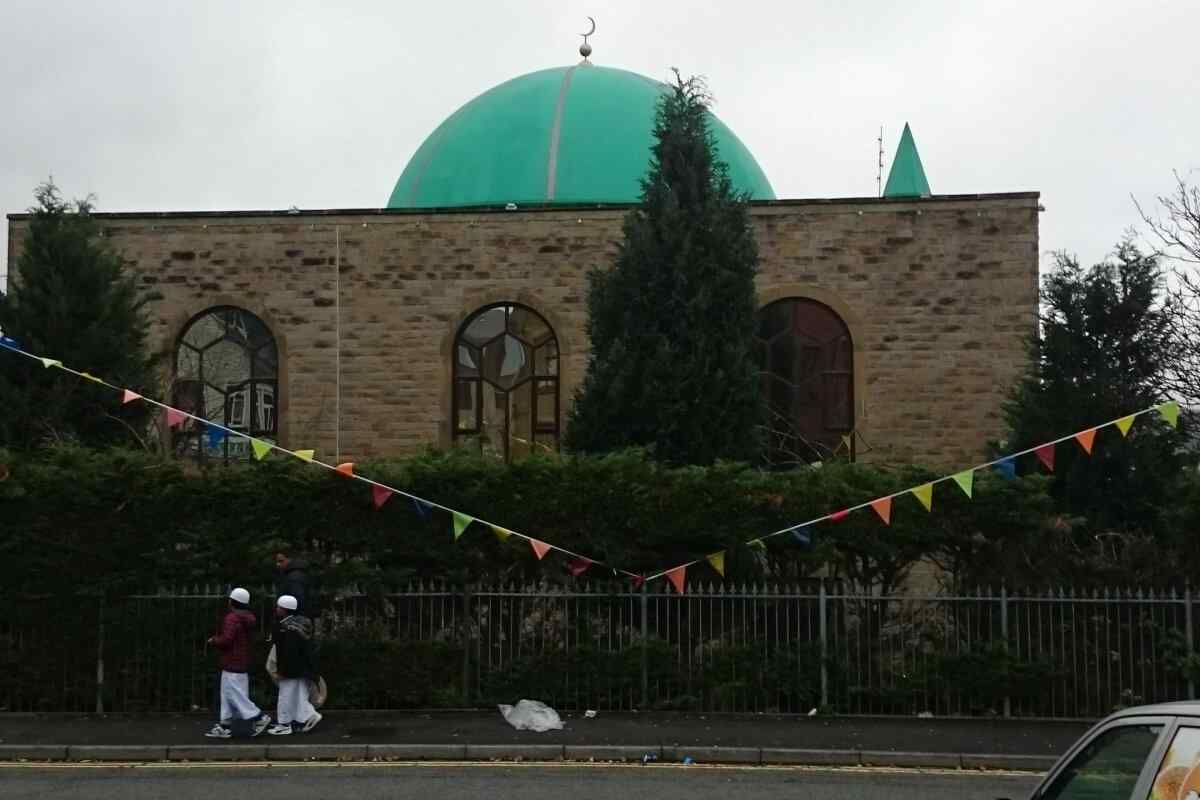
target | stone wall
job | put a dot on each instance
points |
(939, 295)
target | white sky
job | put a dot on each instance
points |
(176, 105)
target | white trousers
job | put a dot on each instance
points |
(235, 697)
(293, 701)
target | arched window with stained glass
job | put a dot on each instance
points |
(505, 382)
(227, 372)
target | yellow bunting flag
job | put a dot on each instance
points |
(260, 448)
(966, 481)
(129, 396)
(50, 362)
(90, 377)
(305, 455)
(459, 522)
(677, 577)
(539, 548)
(1125, 423)
(1170, 412)
(718, 562)
(756, 544)
(925, 495)
(883, 507)
(501, 533)
(346, 469)
(1085, 439)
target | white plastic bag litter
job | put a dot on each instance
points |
(531, 715)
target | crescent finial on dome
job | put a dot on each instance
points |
(585, 49)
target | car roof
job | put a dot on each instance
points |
(1183, 708)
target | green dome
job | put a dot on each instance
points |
(577, 134)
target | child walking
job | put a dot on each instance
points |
(296, 662)
(233, 645)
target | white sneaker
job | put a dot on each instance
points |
(261, 724)
(219, 731)
(312, 721)
(280, 729)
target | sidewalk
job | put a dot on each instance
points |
(476, 735)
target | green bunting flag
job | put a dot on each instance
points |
(459, 522)
(501, 533)
(966, 481)
(260, 448)
(925, 495)
(1170, 412)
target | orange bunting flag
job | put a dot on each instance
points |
(175, 417)
(578, 566)
(539, 548)
(1085, 439)
(1170, 412)
(677, 577)
(966, 481)
(380, 495)
(1125, 423)
(718, 562)
(346, 469)
(129, 397)
(838, 516)
(883, 507)
(925, 495)
(1045, 454)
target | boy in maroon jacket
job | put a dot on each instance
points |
(233, 644)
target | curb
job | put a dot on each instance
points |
(516, 752)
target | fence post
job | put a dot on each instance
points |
(1190, 636)
(100, 656)
(466, 645)
(645, 648)
(1004, 636)
(822, 608)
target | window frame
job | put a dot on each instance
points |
(1141, 789)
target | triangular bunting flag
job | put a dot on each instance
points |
(1170, 412)
(846, 443)
(129, 396)
(380, 495)
(966, 481)
(50, 362)
(1125, 423)
(639, 581)
(216, 436)
(925, 495)
(1006, 467)
(459, 523)
(539, 548)
(718, 562)
(346, 469)
(501, 533)
(422, 508)
(883, 507)
(578, 566)
(676, 577)
(1085, 439)
(8, 341)
(802, 535)
(1045, 454)
(305, 455)
(260, 448)
(90, 377)
(756, 544)
(175, 417)
(838, 516)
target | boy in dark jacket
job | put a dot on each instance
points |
(295, 661)
(233, 645)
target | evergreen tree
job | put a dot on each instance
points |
(672, 365)
(70, 298)
(1106, 349)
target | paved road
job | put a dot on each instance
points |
(420, 782)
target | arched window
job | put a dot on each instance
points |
(807, 363)
(505, 393)
(226, 371)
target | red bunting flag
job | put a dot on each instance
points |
(175, 417)
(677, 577)
(579, 566)
(1045, 454)
(540, 548)
(129, 397)
(883, 507)
(346, 469)
(1085, 440)
(380, 495)
(639, 581)
(838, 516)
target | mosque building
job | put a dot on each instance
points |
(455, 316)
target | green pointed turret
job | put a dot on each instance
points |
(907, 176)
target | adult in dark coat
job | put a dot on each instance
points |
(292, 579)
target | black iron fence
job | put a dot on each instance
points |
(767, 648)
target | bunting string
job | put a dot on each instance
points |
(676, 575)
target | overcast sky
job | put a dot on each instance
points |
(167, 105)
